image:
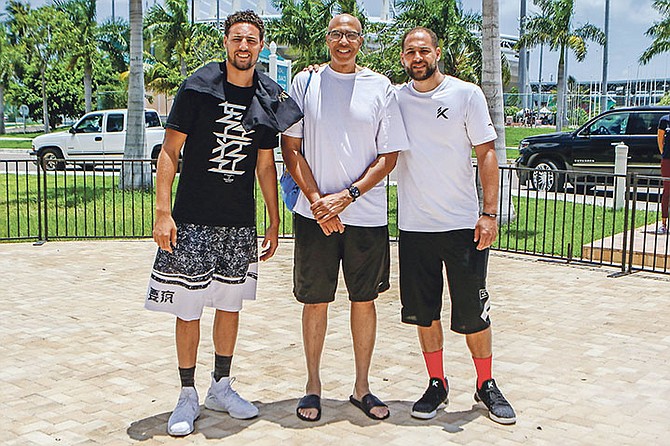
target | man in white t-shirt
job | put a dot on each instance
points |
(350, 137)
(440, 222)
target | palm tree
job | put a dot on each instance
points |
(659, 31)
(171, 27)
(82, 14)
(492, 87)
(138, 175)
(6, 71)
(553, 26)
(302, 26)
(42, 36)
(114, 41)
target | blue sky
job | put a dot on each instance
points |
(629, 19)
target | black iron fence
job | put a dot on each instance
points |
(608, 219)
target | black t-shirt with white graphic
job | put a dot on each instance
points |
(216, 185)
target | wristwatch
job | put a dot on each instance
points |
(488, 214)
(354, 192)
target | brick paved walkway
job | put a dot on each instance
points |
(582, 357)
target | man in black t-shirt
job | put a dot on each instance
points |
(226, 116)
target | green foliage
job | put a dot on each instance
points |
(511, 110)
(513, 99)
(381, 51)
(302, 26)
(64, 92)
(665, 100)
(659, 32)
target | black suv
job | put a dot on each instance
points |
(589, 150)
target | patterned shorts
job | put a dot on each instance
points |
(211, 266)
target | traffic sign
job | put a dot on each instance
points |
(23, 110)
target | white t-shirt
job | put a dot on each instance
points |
(349, 120)
(436, 180)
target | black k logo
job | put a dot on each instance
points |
(441, 112)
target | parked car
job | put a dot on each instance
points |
(99, 135)
(590, 150)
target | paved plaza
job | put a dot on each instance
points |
(582, 357)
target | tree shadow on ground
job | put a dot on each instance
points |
(219, 425)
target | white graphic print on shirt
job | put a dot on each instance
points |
(231, 142)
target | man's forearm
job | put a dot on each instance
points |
(166, 170)
(299, 169)
(490, 179)
(376, 172)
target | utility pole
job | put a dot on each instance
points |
(113, 11)
(523, 54)
(603, 87)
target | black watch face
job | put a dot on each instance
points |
(354, 192)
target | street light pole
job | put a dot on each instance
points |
(603, 87)
(523, 65)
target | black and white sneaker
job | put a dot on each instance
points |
(500, 410)
(433, 398)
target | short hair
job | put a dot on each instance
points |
(247, 16)
(433, 36)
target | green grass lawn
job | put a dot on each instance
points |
(92, 206)
(514, 135)
(560, 228)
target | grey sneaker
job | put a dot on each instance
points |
(433, 398)
(222, 398)
(183, 416)
(500, 410)
(662, 230)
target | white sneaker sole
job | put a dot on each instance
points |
(217, 408)
(499, 420)
(428, 415)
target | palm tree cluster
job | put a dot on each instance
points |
(303, 24)
(60, 61)
(553, 26)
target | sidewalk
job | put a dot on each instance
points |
(582, 357)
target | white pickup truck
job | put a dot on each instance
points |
(97, 136)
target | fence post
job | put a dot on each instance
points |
(631, 249)
(41, 204)
(45, 196)
(620, 168)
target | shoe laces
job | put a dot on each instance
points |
(495, 395)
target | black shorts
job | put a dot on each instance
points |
(422, 255)
(364, 253)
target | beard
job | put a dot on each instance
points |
(243, 65)
(430, 70)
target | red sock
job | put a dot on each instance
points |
(435, 365)
(483, 367)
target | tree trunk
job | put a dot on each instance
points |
(135, 175)
(88, 86)
(182, 67)
(2, 109)
(45, 108)
(492, 87)
(560, 91)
